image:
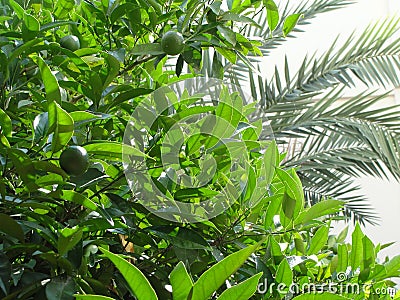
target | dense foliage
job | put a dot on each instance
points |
(72, 74)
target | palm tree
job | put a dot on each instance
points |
(330, 143)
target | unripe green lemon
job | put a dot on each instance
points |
(74, 160)
(172, 43)
(70, 42)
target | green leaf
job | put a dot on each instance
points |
(91, 297)
(181, 282)
(24, 168)
(133, 276)
(5, 123)
(31, 23)
(68, 238)
(79, 199)
(243, 290)
(214, 277)
(319, 240)
(112, 70)
(5, 273)
(49, 81)
(321, 296)
(128, 95)
(9, 226)
(323, 208)
(228, 54)
(228, 34)
(41, 126)
(112, 150)
(60, 289)
(284, 273)
(63, 126)
(147, 49)
(356, 254)
(185, 238)
(369, 255)
(55, 24)
(292, 183)
(83, 117)
(393, 267)
(19, 11)
(290, 22)
(343, 257)
(62, 8)
(272, 14)
(270, 161)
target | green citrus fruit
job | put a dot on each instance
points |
(172, 43)
(74, 160)
(70, 42)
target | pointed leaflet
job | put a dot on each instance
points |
(112, 150)
(68, 238)
(272, 14)
(181, 282)
(293, 200)
(243, 290)
(284, 274)
(271, 157)
(49, 81)
(5, 123)
(62, 124)
(343, 256)
(10, 227)
(319, 209)
(60, 288)
(289, 23)
(133, 276)
(356, 253)
(319, 240)
(214, 277)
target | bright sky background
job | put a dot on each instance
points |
(318, 36)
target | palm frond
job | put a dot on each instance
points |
(336, 140)
(370, 59)
(274, 38)
(333, 184)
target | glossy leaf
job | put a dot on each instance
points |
(50, 82)
(112, 150)
(133, 276)
(9, 226)
(147, 49)
(5, 123)
(356, 254)
(60, 288)
(270, 162)
(79, 199)
(214, 277)
(242, 291)
(284, 273)
(272, 14)
(323, 208)
(63, 126)
(319, 240)
(68, 238)
(181, 282)
(290, 22)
